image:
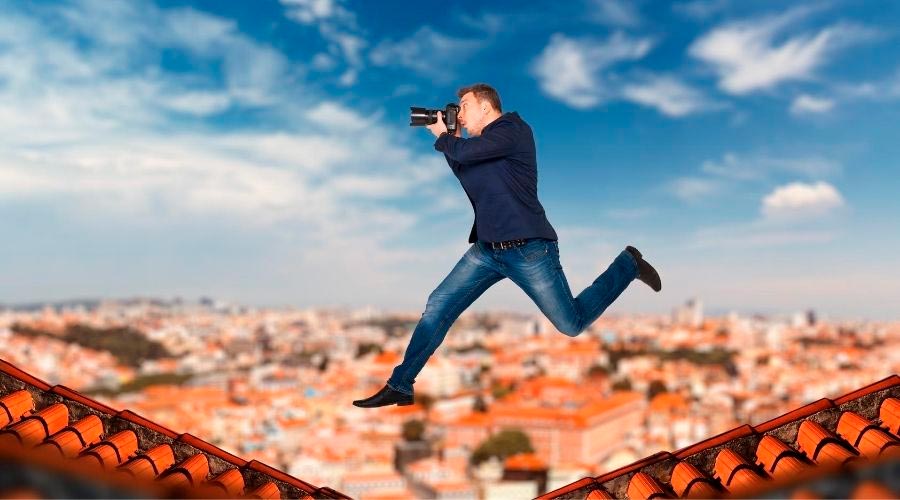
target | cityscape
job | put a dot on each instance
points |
(507, 406)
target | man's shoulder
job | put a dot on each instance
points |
(510, 121)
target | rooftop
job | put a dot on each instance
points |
(860, 430)
(57, 429)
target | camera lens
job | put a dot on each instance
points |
(422, 116)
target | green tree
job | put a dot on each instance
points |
(501, 445)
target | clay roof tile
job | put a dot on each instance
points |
(13, 406)
(778, 459)
(689, 482)
(644, 486)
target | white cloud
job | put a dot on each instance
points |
(335, 116)
(622, 13)
(805, 103)
(885, 89)
(488, 22)
(759, 54)
(311, 11)
(693, 189)
(757, 167)
(801, 200)
(571, 69)
(323, 62)
(338, 26)
(198, 102)
(427, 52)
(700, 9)
(732, 170)
(101, 133)
(669, 95)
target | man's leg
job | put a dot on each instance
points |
(536, 269)
(466, 282)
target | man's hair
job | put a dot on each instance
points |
(483, 92)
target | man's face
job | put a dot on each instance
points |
(472, 114)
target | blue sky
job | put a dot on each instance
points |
(259, 151)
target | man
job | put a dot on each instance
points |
(511, 238)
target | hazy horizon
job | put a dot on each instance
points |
(260, 152)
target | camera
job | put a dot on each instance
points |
(419, 117)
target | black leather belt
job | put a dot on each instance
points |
(503, 245)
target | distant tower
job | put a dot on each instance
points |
(811, 317)
(690, 314)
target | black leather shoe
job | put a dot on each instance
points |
(646, 272)
(386, 396)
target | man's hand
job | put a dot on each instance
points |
(437, 128)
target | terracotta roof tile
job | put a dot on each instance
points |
(870, 439)
(890, 414)
(230, 481)
(689, 482)
(13, 406)
(814, 440)
(734, 472)
(34, 428)
(112, 451)
(599, 494)
(268, 490)
(190, 472)
(139, 449)
(821, 446)
(74, 438)
(150, 464)
(778, 459)
(644, 486)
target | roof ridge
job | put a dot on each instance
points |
(150, 433)
(744, 442)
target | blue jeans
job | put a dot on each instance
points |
(535, 268)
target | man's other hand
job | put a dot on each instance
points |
(437, 128)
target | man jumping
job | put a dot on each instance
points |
(511, 238)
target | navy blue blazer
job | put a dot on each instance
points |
(498, 171)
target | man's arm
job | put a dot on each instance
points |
(454, 165)
(500, 141)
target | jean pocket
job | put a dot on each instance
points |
(533, 250)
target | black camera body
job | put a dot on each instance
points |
(419, 117)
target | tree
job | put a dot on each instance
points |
(479, 405)
(622, 385)
(501, 445)
(597, 370)
(656, 387)
(425, 400)
(413, 430)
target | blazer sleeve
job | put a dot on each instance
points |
(499, 142)
(454, 165)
